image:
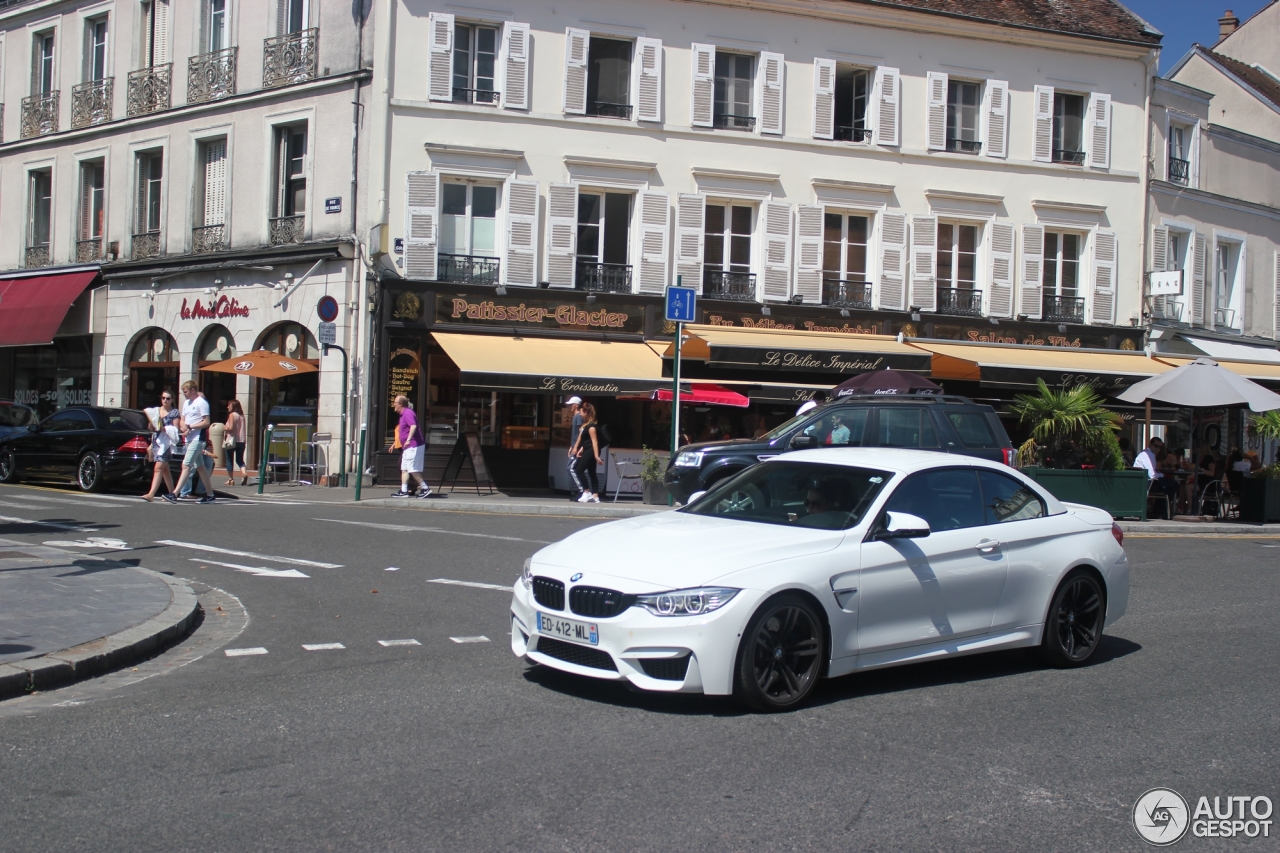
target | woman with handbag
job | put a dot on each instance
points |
(233, 443)
(587, 454)
(161, 422)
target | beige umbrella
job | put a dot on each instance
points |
(262, 365)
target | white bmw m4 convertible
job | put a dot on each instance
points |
(820, 563)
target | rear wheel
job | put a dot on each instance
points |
(8, 467)
(780, 658)
(89, 473)
(1073, 628)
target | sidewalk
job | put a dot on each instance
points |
(65, 617)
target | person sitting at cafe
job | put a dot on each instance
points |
(1148, 460)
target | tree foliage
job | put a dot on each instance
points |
(1068, 423)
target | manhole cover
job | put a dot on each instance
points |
(16, 555)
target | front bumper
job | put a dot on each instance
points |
(682, 482)
(682, 654)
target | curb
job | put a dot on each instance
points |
(1192, 528)
(115, 651)
(566, 508)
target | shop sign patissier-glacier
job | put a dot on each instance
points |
(549, 314)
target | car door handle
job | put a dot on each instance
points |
(986, 546)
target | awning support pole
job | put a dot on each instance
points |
(1146, 430)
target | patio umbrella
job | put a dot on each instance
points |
(887, 381)
(1203, 384)
(262, 365)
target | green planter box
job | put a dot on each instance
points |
(1260, 500)
(1121, 493)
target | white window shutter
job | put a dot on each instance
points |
(1159, 263)
(562, 234)
(995, 130)
(769, 80)
(1031, 296)
(421, 225)
(777, 249)
(924, 262)
(215, 182)
(809, 253)
(824, 98)
(520, 266)
(648, 79)
(515, 66)
(1276, 291)
(440, 60)
(1104, 277)
(576, 44)
(655, 229)
(1000, 297)
(1043, 147)
(1194, 178)
(936, 114)
(691, 212)
(887, 90)
(1201, 312)
(702, 99)
(1099, 131)
(160, 9)
(893, 255)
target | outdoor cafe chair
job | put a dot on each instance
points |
(619, 470)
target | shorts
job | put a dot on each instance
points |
(195, 454)
(411, 459)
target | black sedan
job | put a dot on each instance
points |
(15, 418)
(88, 445)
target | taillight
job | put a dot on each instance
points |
(1118, 533)
(137, 444)
(1008, 457)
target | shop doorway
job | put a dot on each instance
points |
(153, 368)
(292, 400)
(216, 344)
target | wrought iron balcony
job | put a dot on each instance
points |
(40, 115)
(735, 286)
(1063, 309)
(607, 110)
(150, 90)
(729, 121)
(286, 229)
(960, 301)
(468, 269)
(1064, 155)
(964, 146)
(839, 293)
(208, 238)
(88, 251)
(37, 256)
(211, 76)
(604, 278)
(853, 134)
(290, 58)
(91, 103)
(475, 96)
(146, 245)
(1179, 170)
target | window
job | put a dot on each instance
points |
(800, 494)
(293, 16)
(217, 27)
(839, 426)
(963, 101)
(733, 101)
(469, 216)
(155, 32)
(727, 251)
(1068, 128)
(291, 171)
(475, 53)
(1061, 264)
(947, 500)
(852, 85)
(150, 176)
(906, 427)
(609, 78)
(1005, 499)
(39, 216)
(844, 260)
(1179, 153)
(973, 429)
(957, 255)
(95, 49)
(1224, 283)
(67, 420)
(604, 232)
(211, 204)
(42, 74)
(92, 191)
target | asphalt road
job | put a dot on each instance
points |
(449, 745)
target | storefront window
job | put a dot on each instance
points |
(53, 377)
(153, 367)
(404, 376)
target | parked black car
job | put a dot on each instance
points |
(945, 423)
(15, 417)
(88, 445)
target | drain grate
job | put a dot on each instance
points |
(17, 555)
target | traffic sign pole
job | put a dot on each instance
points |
(681, 308)
(342, 456)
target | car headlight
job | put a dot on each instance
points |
(689, 459)
(686, 602)
(526, 573)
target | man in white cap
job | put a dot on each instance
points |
(575, 405)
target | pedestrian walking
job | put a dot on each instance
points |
(233, 443)
(575, 427)
(195, 426)
(411, 457)
(587, 453)
(161, 424)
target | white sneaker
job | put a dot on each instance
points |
(595, 499)
(585, 499)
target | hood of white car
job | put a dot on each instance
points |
(671, 550)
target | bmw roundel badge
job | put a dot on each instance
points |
(576, 578)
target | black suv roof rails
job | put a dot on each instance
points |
(902, 398)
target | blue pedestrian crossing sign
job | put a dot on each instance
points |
(682, 304)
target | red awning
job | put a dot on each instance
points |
(32, 309)
(705, 394)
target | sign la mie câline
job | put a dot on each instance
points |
(214, 310)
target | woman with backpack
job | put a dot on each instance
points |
(587, 453)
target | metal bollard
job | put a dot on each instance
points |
(262, 457)
(360, 462)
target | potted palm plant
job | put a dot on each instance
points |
(1260, 492)
(651, 471)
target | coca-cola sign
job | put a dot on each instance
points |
(214, 309)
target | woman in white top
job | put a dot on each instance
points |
(160, 421)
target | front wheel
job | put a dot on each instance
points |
(89, 473)
(1073, 629)
(780, 658)
(8, 467)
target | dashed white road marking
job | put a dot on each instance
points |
(480, 639)
(393, 568)
(472, 583)
(322, 647)
(237, 653)
(260, 571)
(196, 546)
(399, 643)
(53, 524)
(409, 528)
(92, 542)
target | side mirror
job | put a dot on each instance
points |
(33, 427)
(902, 525)
(801, 441)
(693, 497)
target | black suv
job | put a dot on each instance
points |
(944, 423)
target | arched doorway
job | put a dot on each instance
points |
(153, 367)
(291, 399)
(216, 344)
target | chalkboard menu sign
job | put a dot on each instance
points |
(404, 376)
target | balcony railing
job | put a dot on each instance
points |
(475, 96)
(208, 238)
(146, 245)
(1179, 170)
(211, 76)
(1063, 309)
(40, 115)
(150, 90)
(88, 251)
(286, 229)
(608, 110)
(604, 278)
(839, 293)
(853, 134)
(729, 121)
(964, 146)
(960, 301)
(1064, 155)
(735, 286)
(467, 269)
(36, 256)
(290, 58)
(1225, 317)
(91, 103)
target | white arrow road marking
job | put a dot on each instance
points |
(238, 653)
(52, 524)
(399, 643)
(260, 571)
(471, 583)
(480, 639)
(92, 542)
(408, 528)
(322, 647)
(195, 546)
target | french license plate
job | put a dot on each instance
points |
(567, 629)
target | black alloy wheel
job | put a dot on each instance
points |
(8, 467)
(780, 658)
(89, 472)
(1073, 629)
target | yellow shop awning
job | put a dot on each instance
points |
(996, 365)
(553, 365)
(797, 352)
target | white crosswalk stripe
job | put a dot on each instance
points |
(322, 647)
(196, 546)
(480, 639)
(237, 653)
(399, 643)
(475, 584)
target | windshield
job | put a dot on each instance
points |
(779, 431)
(16, 416)
(123, 419)
(796, 494)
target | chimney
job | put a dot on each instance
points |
(1227, 25)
